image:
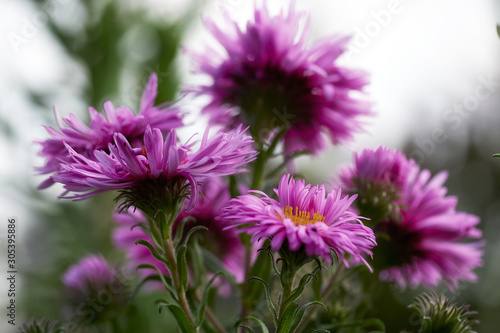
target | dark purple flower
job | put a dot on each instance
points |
(268, 78)
(85, 139)
(430, 241)
(302, 217)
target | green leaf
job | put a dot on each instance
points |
(179, 232)
(270, 304)
(204, 299)
(161, 276)
(151, 249)
(182, 319)
(197, 263)
(154, 277)
(261, 269)
(498, 30)
(496, 155)
(191, 232)
(302, 285)
(251, 318)
(301, 312)
(248, 329)
(286, 320)
(182, 269)
(321, 331)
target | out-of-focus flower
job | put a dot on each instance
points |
(268, 78)
(302, 217)
(438, 314)
(425, 244)
(94, 283)
(85, 139)
(378, 178)
(40, 326)
(159, 172)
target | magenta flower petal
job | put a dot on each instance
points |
(268, 78)
(85, 139)
(435, 241)
(126, 167)
(302, 216)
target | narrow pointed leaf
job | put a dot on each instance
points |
(300, 314)
(191, 232)
(163, 279)
(302, 285)
(286, 320)
(182, 319)
(270, 304)
(182, 268)
(204, 299)
(254, 319)
(151, 249)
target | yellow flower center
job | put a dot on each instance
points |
(300, 217)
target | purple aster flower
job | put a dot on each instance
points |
(224, 244)
(93, 281)
(157, 171)
(85, 139)
(378, 178)
(430, 241)
(268, 78)
(302, 217)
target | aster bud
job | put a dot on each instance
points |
(40, 326)
(95, 291)
(438, 314)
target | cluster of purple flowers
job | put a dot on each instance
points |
(264, 67)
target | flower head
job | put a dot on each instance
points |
(429, 241)
(41, 326)
(302, 217)
(94, 279)
(159, 171)
(438, 314)
(378, 178)
(85, 139)
(267, 78)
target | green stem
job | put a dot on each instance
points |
(179, 288)
(287, 278)
(260, 162)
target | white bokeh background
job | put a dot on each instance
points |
(428, 57)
